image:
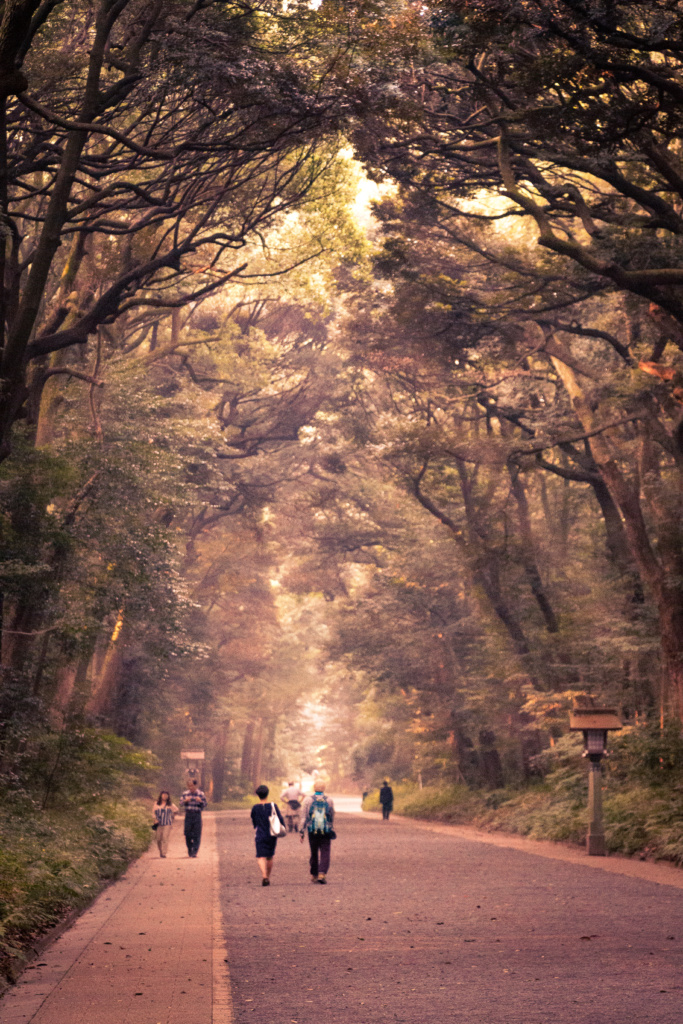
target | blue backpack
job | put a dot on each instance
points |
(318, 817)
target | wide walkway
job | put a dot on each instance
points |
(419, 924)
(422, 925)
(149, 950)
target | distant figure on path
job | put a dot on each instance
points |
(292, 796)
(164, 812)
(194, 802)
(386, 798)
(318, 824)
(265, 842)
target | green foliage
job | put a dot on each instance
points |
(643, 798)
(31, 482)
(87, 765)
(455, 805)
(54, 862)
(69, 823)
(649, 754)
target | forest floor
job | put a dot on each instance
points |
(420, 923)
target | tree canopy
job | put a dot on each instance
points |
(340, 402)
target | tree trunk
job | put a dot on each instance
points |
(489, 758)
(670, 604)
(257, 765)
(247, 751)
(615, 538)
(529, 553)
(20, 635)
(218, 762)
(104, 683)
(14, 390)
(484, 567)
(659, 568)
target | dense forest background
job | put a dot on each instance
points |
(341, 387)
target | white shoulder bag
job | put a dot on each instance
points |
(274, 822)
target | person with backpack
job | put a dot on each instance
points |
(317, 816)
(292, 796)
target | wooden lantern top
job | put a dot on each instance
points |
(594, 718)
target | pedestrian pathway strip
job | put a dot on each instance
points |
(150, 950)
(421, 923)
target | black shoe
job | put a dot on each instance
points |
(265, 881)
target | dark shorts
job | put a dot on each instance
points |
(266, 847)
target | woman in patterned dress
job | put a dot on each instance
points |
(164, 813)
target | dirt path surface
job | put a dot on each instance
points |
(148, 951)
(420, 924)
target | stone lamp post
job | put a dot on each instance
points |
(594, 723)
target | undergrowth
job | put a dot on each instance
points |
(61, 842)
(642, 797)
(54, 862)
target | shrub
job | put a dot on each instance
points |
(54, 862)
(642, 796)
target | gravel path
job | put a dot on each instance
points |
(418, 926)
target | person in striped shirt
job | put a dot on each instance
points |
(164, 813)
(194, 802)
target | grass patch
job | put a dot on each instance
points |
(71, 822)
(456, 805)
(56, 861)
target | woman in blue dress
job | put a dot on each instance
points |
(265, 843)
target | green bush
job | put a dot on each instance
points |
(649, 754)
(86, 766)
(69, 826)
(642, 796)
(53, 862)
(453, 804)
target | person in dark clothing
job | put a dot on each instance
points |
(265, 842)
(194, 802)
(386, 798)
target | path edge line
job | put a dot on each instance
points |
(222, 1007)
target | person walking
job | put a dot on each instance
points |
(318, 824)
(265, 841)
(386, 798)
(164, 812)
(194, 802)
(292, 796)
